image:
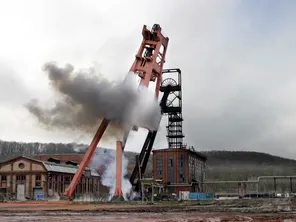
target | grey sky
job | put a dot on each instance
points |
(237, 58)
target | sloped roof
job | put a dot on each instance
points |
(62, 157)
(59, 168)
(62, 168)
(54, 167)
(19, 157)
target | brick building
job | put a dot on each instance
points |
(24, 178)
(179, 168)
(69, 158)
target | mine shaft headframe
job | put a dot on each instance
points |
(169, 86)
(148, 65)
(171, 105)
(151, 56)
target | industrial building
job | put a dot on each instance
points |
(181, 169)
(24, 178)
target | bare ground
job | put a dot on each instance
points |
(144, 217)
(244, 210)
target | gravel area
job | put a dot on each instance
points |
(145, 217)
(242, 210)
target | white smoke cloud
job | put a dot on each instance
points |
(145, 112)
(104, 160)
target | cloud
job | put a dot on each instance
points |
(12, 90)
(243, 85)
(237, 60)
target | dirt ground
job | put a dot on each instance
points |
(109, 212)
(142, 217)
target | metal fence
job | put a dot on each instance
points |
(42, 196)
(99, 197)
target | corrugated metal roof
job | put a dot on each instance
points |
(52, 167)
(59, 168)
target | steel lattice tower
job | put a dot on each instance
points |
(172, 106)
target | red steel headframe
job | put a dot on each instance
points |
(148, 66)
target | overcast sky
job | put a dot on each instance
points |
(237, 59)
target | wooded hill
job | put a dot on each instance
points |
(221, 165)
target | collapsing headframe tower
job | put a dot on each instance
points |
(148, 65)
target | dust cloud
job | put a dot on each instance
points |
(84, 98)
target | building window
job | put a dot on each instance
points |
(181, 161)
(21, 178)
(170, 169)
(21, 165)
(38, 181)
(3, 178)
(49, 181)
(159, 167)
(181, 169)
(182, 179)
(67, 180)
